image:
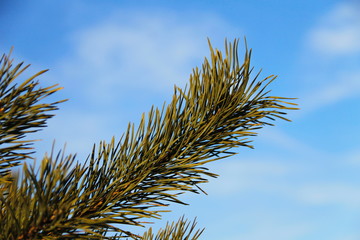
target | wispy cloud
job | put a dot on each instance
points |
(343, 86)
(330, 193)
(247, 175)
(332, 57)
(124, 56)
(142, 50)
(353, 157)
(338, 33)
(79, 131)
(275, 136)
(281, 177)
(274, 230)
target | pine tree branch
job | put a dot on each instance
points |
(136, 177)
(164, 157)
(181, 230)
(21, 112)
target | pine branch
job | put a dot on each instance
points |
(135, 178)
(181, 230)
(21, 112)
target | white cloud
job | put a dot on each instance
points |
(330, 62)
(350, 237)
(79, 131)
(281, 139)
(334, 193)
(279, 177)
(142, 50)
(271, 230)
(131, 53)
(338, 33)
(238, 176)
(345, 86)
(353, 157)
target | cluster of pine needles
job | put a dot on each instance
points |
(126, 181)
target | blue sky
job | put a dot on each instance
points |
(115, 59)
